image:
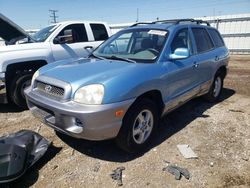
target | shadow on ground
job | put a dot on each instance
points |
(32, 174)
(10, 108)
(170, 124)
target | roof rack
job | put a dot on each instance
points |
(141, 23)
(173, 21)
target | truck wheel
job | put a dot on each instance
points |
(138, 125)
(215, 91)
(19, 84)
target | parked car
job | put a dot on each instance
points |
(130, 81)
(24, 54)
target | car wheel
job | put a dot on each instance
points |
(19, 84)
(138, 126)
(215, 91)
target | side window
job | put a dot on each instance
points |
(181, 40)
(99, 32)
(216, 37)
(202, 40)
(79, 33)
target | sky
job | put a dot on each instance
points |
(34, 14)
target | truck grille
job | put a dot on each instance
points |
(49, 90)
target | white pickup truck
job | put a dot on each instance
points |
(24, 54)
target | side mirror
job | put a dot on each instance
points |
(180, 53)
(89, 49)
(67, 37)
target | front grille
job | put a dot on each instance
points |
(49, 90)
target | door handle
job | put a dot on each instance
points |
(88, 47)
(217, 58)
(195, 64)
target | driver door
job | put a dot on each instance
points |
(74, 48)
(181, 80)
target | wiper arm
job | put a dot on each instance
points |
(123, 59)
(99, 57)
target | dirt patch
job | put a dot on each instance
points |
(237, 181)
(218, 133)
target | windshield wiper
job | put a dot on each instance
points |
(99, 57)
(123, 59)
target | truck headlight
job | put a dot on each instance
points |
(90, 94)
(35, 75)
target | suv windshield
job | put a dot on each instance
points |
(44, 33)
(140, 45)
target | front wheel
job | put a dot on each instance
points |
(138, 126)
(19, 84)
(215, 91)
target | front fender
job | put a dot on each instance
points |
(134, 84)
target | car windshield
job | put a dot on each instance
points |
(138, 45)
(44, 33)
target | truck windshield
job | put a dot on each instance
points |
(140, 45)
(43, 34)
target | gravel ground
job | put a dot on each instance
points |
(218, 133)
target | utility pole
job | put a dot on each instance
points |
(53, 15)
(137, 15)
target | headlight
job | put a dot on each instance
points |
(35, 75)
(90, 94)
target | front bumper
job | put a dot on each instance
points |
(3, 94)
(91, 122)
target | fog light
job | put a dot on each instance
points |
(78, 122)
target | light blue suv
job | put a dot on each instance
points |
(130, 81)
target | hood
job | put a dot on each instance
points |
(122, 80)
(85, 71)
(11, 32)
(23, 47)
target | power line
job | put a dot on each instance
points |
(53, 16)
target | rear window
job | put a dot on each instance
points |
(216, 37)
(99, 32)
(202, 40)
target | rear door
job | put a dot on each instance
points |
(220, 51)
(97, 33)
(206, 56)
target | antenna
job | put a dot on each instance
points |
(53, 15)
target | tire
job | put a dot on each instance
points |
(18, 85)
(136, 132)
(215, 90)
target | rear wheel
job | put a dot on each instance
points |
(19, 84)
(215, 91)
(138, 126)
